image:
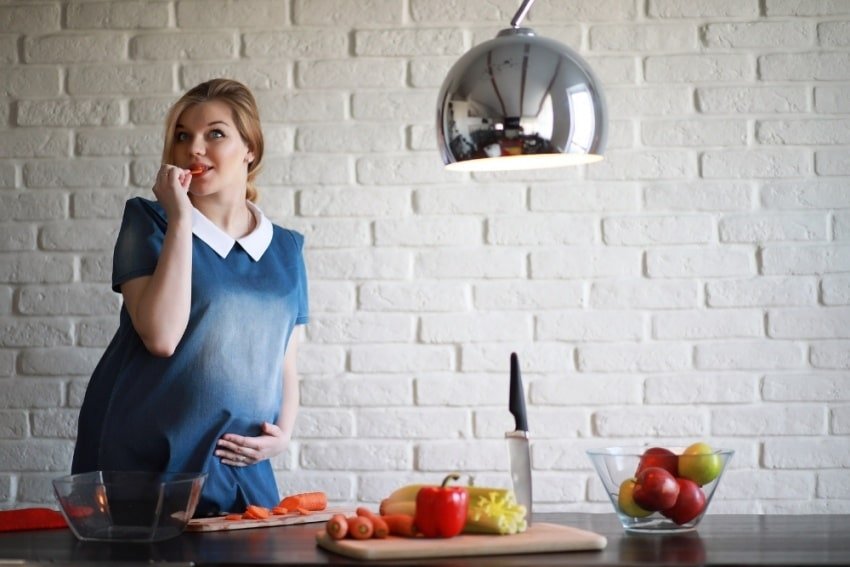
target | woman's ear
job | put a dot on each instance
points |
(249, 157)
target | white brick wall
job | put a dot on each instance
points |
(695, 285)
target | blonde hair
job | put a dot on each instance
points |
(246, 117)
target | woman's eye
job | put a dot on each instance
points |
(181, 136)
(216, 134)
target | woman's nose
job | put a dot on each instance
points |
(198, 146)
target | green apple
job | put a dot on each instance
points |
(626, 501)
(700, 464)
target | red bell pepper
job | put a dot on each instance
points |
(441, 510)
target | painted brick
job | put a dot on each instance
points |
(413, 423)
(69, 113)
(77, 173)
(584, 197)
(464, 199)
(702, 388)
(832, 162)
(37, 268)
(625, 294)
(797, 260)
(352, 201)
(805, 194)
(589, 326)
(78, 236)
(37, 143)
(211, 13)
(68, 300)
(811, 387)
(464, 327)
(589, 389)
(401, 170)
(7, 175)
(350, 74)
(535, 357)
(17, 238)
(9, 49)
(699, 133)
(744, 100)
(698, 196)
(832, 100)
(840, 421)
(13, 425)
(692, 68)
(58, 361)
(835, 290)
(814, 323)
(765, 228)
(646, 164)
(461, 390)
(424, 71)
(336, 138)
(96, 268)
(294, 44)
(117, 15)
(56, 423)
(803, 67)
(806, 8)
(32, 332)
(409, 43)
(348, 456)
(307, 169)
(430, 11)
(30, 394)
(256, 75)
(315, 423)
(321, 359)
(632, 102)
(579, 262)
(642, 357)
(30, 18)
(36, 455)
(758, 34)
(410, 107)
(549, 423)
(806, 452)
(749, 355)
(640, 422)
(141, 78)
(708, 324)
(527, 295)
(656, 230)
(344, 13)
(31, 81)
(401, 358)
(769, 420)
(370, 264)
(381, 327)
(553, 10)
(75, 48)
(462, 456)
(548, 229)
(833, 484)
(647, 37)
(803, 132)
(332, 233)
(702, 8)
(762, 291)
(356, 391)
(699, 262)
(428, 231)
(118, 141)
(769, 163)
(186, 46)
(101, 204)
(94, 332)
(738, 484)
(414, 297)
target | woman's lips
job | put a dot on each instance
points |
(197, 170)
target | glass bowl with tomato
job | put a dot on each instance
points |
(660, 489)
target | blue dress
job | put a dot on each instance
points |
(143, 412)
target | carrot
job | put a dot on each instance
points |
(254, 512)
(337, 526)
(310, 501)
(197, 170)
(232, 517)
(280, 511)
(401, 525)
(381, 530)
(360, 527)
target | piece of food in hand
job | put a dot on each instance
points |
(337, 526)
(441, 510)
(360, 527)
(381, 530)
(197, 169)
(403, 525)
(306, 501)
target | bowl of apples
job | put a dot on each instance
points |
(656, 489)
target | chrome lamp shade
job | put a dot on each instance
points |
(520, 101)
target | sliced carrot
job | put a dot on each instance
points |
(232, 517)
(360, 527)
(337, 526)
(197, 170)
(312, 501)
(254, 512)
(303, 511)
(381, 530)
(279, 511)
(401, 525)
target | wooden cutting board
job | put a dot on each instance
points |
(539, 538)
(218, 523)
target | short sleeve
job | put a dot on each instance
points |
(139, 242)
(303, 300)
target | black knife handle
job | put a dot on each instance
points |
(516, 402)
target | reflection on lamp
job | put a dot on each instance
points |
(520, 101)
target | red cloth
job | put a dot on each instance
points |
(31, 519)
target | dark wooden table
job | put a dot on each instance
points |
(720, 540)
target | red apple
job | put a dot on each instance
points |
(655, 489)
(689, 504)
(659, 457)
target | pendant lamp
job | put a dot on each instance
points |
(520, 101)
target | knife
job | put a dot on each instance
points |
(518, 447)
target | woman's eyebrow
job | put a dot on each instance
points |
(178, 125)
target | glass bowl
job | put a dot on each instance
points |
(128, 506)
(615, 465)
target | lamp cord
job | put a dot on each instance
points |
(521, 13)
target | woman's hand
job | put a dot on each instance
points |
(172, 191)
(238, 451)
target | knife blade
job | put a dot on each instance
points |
(518, 441)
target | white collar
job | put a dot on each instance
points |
(254, 243)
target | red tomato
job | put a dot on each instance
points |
(689, 504)
(661, 458)
(655, 489)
